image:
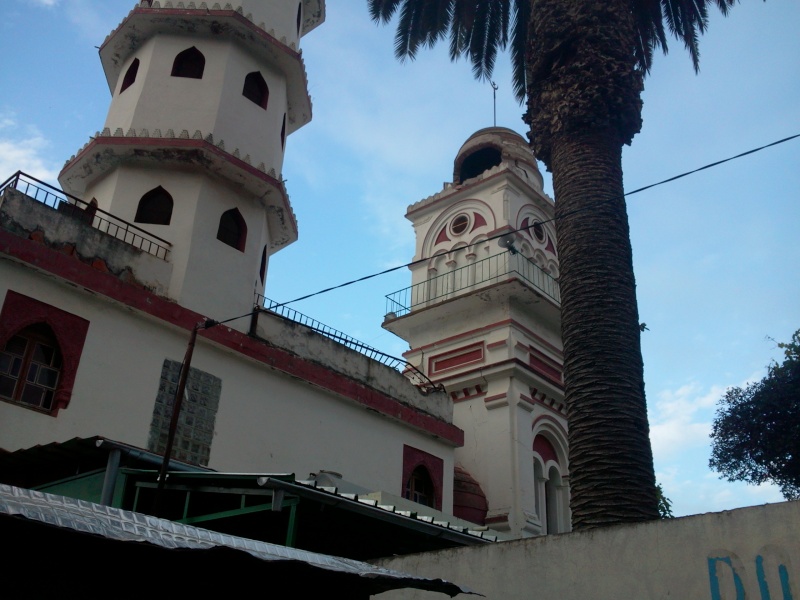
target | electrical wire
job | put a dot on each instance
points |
(510, 231)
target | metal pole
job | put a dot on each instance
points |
(494, 97)
(176, 409)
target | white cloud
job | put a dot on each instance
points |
(44, 2)
(23, 149)
(680, 419)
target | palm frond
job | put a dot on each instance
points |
(688, 19)
(481, 53)
(650, 35)
(421, 23)
(519, 47)
(382, 11)
(479, 29)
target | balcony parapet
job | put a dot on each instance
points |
(412, 373)
(463, 280)
(95, 217)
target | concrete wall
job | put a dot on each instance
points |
(305, 342)
(73, 236)
(745, 554)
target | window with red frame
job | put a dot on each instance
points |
(40, 351)
(419, 487)
(423, 477)
(30, 367)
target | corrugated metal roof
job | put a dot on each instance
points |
(459, 532)
(126, 526)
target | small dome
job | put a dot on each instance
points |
(489, 147)
(469, 501)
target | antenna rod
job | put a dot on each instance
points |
(494, 96)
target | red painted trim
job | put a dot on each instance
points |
(96, 143)
(481, 330)
(45, 259)
(69, 330)
(544, 365)
(455, 358)
(543, 447)
(202, 12)
(495, 397)
(413, 458)
(499, 344)
(482, 370)
(479, 221)
(496, 519)
(468, 394)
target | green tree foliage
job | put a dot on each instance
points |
(664, 504)
(756, 433)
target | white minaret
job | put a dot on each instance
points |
(484, 321)
(203, 97)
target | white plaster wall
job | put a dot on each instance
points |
(102, 189)
(207, 275)
(279, 426)
(213, 105)
(701, 557)
(308, 344)
(281, 17)
(242, 123)
(122, 107)
(220, 280)
(167, 102)
(267, 421)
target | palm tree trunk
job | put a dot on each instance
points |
(610, 458)
(583, 104)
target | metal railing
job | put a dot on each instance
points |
(482, 273)
(416, 376)
(69, 205)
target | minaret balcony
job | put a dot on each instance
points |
(462, 281)
(70, 208)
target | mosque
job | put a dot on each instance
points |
(164, 225)
(135, 293)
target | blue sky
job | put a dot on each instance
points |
(716, 254)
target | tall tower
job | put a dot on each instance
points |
(483, 319)
(203, 97)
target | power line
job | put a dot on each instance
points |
(578, 210)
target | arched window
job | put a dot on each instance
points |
(130, 75)
(263, 270)
(283, 133)
(30, 367)
(155, 207)
(189, 63)
(419, 487)
(256, 89)
(551, 491)
(232, 229)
